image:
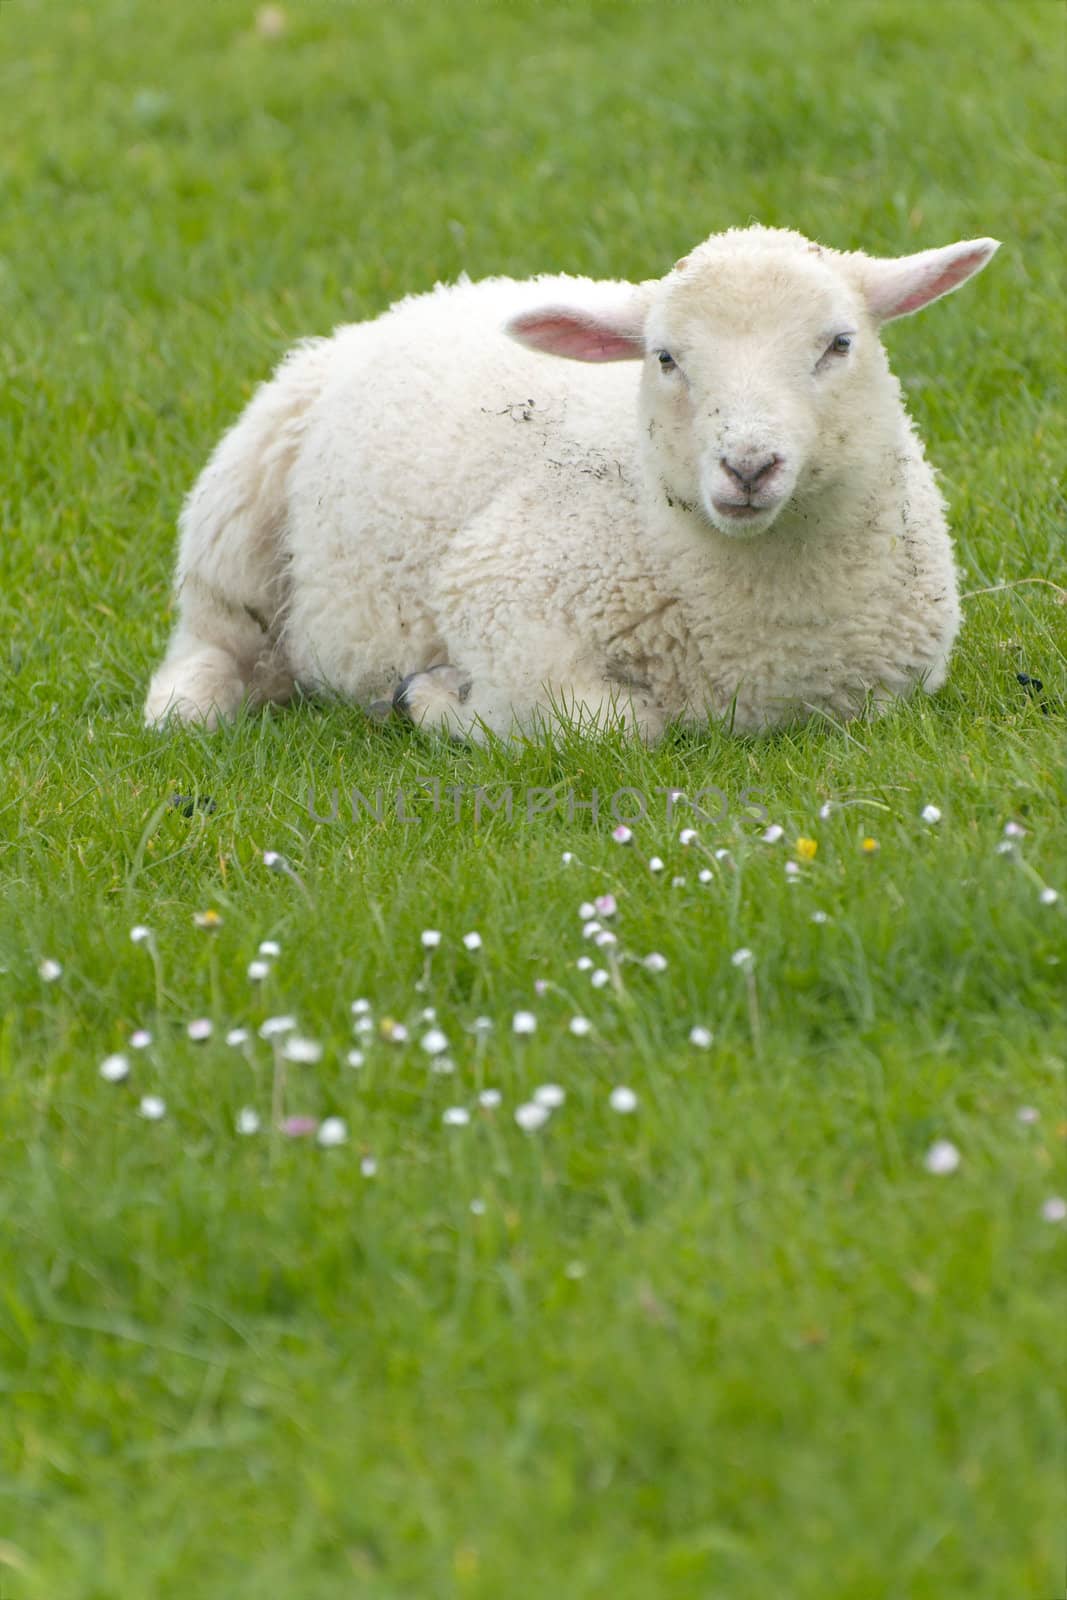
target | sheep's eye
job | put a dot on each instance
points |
(842, 344)
(666, 361)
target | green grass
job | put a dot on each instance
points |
(740, 1344)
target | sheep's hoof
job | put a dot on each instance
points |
(432, 696)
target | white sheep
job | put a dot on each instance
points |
(718, 506)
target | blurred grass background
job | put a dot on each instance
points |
(742, 1343)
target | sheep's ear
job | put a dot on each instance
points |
(582, 335)
(895, 288)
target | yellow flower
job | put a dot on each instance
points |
(869, 846)
(806, 849)
(207, 919)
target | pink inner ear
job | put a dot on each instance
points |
(949, 277)
(562, 333)
(911, 283)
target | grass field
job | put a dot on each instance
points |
(736, 1344)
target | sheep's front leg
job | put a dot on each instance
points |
(445, 700)
(598, 706)
(435, 699)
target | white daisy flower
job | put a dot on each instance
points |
(722, 854)
(599, 978)
(580, 1026)
(654, 962)
(152, 1108)
(428, 1014)
(1048, 897)
(587, 911)
(524, 1022)
(549, 1095)
(606, 905)
(590, 930)
(622, 1099)
(482, 1025)
(622, 834)
(942, 1157)
(687, 836)
(304, 1051)
(743, 957)
(247, 1120)
(772, 834)
(355, 1058)
(677, 883)
(1054, 1209)
(472, 941)
(368, 1166)
(113, 1069)
(275, 861)
(584, 963)
(434, 1042)
(792, 869)
(567, 857)
(140, 934)
(444, 1066)
(456, 1117)
(237, 1037)
(140, 1039)
(655, 864)
(930, 814)
(258, 970)
(360, 1008)
(270, 948)
(1005, 847)
(271, 22)
(705, 875)
(701, 1037)
(531, 1116)
(199, 1029)
(489, 1098)
(605, 937)
(275, 1026)
(478, 1208)
(820, 916)
(363, 1025)
(332, 1132)
(431, 938)
(825, 810)
(49, 970)
(1014, 830)
(1027, 1113)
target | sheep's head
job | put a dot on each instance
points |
(763, 371)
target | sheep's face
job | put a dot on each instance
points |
(755, 369)
(764, 381)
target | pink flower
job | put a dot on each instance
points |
(299, 1127)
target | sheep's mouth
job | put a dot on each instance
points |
(742, 519)
(740, 513)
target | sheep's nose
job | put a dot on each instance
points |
(751, 471)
